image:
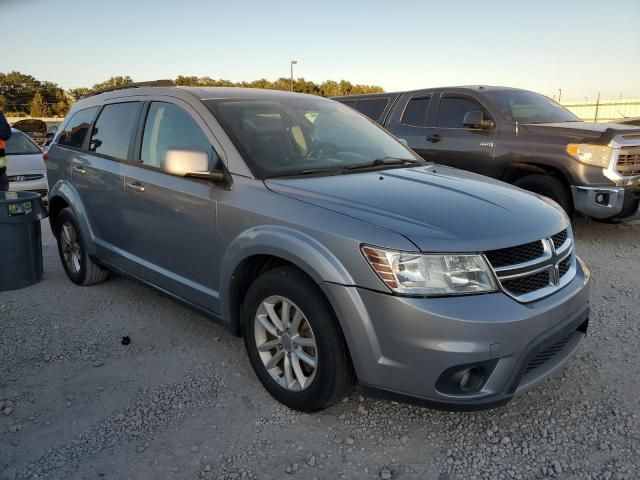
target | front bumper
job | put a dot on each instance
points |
(620, 203)
(39, 186)
(400, 346)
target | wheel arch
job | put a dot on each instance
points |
(263, 248)
(63, 195)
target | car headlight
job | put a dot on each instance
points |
(598, 155)
(427, 274)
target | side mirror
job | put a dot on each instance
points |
(190, 162)
(404, 142)
(475, 119)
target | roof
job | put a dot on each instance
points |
(476, 88)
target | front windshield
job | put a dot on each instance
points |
(20, 144)
(529, 107)
(304, 135)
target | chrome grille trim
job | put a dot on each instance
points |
(549, 261)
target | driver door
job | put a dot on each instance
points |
(449, 142)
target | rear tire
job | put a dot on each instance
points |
(304, 329)
(79, 267)
(548, 186)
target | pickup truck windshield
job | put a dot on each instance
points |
(529, 107)
(306, 136)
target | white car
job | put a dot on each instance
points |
(25, 166)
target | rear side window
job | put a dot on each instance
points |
(372, 108)
(75, 131)
(416, 112)
(169, 126)
(452, 110)
(113, 131)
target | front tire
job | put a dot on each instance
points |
(294, 343)
(79, 267)
(549, 187)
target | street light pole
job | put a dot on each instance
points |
(293, 62)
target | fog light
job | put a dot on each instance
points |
(463, 379)
(602, 198)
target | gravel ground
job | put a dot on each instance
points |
(181, 401)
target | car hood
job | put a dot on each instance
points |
(438, 208)
(23, 164)
(582, 130)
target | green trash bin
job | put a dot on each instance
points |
(20, 239)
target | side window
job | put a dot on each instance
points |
(452, 110)
(113, 130)
(169, 126)
(372, 108)
(348, 103)
(415, 113)
(76, 129)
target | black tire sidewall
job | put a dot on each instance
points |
(67, 216)
(549, 187)
(299, 289)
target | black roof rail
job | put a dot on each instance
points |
(124, 86)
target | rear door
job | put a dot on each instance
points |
(170, 220)
(451, 143)
(97, 174)
(408, 120)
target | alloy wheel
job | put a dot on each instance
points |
(70, 247)
(286, 343)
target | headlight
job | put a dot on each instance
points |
(418, 274)
(598, 155)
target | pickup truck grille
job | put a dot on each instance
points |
(629, 162)
(534, 270)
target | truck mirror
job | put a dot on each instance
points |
(473, 119)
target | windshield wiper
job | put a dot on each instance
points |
(310, 171)
(382, 162)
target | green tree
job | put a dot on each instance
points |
(113, 82)
(38, 107)
(77, 93)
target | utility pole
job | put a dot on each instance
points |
(559, 95)
(597, 107)
(293, 62)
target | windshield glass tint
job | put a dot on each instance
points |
(287, 136)
(529, 107)
(20, 144)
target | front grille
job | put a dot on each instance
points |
(545, 355)
(534, 270)
(629, 162)
(25, 178)
(528, 284)
(513, 255)
(559, 238)
(564, 266)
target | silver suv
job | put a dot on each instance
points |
(336, 252)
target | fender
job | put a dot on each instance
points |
(295, 246)
(69, 194)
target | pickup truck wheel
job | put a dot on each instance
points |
(549, 187)
(77, 264)
(294, 343)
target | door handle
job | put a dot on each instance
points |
(79, 169)
(435, 138)
(135, 186)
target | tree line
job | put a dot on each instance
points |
(23, 95)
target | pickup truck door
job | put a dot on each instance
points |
(409, 118)
(449, 142)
